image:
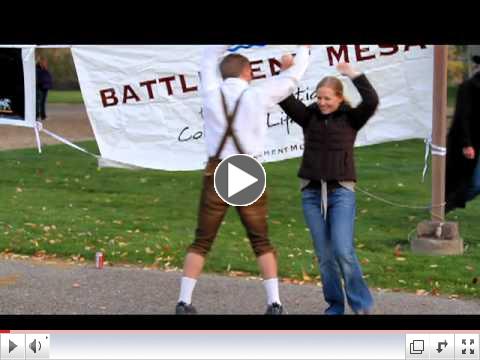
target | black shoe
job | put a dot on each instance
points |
(183, 308)
(274, 309)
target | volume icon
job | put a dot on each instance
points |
(35, 346)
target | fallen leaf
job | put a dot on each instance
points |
(435, 292)
(238, 273)
(397, 251)
(8, 280)
(305, 276)
(421, 292)
(148, 250)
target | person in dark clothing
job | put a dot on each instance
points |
(44, 83)
(328, 178)
(463, 144)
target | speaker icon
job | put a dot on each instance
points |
(35, 346)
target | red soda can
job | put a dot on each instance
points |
(99, 260)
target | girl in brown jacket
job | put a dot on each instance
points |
(328, 174)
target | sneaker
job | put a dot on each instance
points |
(274, 309)
(183, 308)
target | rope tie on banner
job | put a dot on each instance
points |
(435, 150)
(65, 141)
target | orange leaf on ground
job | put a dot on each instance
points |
(305, 276)
(8, 280)
(421, 292)
(397, 252)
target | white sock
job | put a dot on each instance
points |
(186, 289)
(271, 287)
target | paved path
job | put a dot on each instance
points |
(46, 287)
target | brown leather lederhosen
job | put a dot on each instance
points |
(212, 208)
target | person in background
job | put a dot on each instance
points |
(463, 144)
(44, 84)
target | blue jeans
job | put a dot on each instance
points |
(333, 243)
(474, 188)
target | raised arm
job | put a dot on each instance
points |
(209, 73)
(369, 103)
(296, 110)
(279, 87)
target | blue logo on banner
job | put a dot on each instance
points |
(235, 48)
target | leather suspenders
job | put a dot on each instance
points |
(229, 131)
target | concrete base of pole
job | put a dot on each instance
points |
(437, 238)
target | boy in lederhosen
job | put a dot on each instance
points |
(234, 115)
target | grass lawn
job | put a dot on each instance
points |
(451, 95)
(59, 203)
(65, 97)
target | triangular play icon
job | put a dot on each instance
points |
(238, 180)
(11, 346)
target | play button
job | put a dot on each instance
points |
(239, 180)
(11, 346)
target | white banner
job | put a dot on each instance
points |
(12, 112)
(145, 110)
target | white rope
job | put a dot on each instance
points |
(435, 150)
(397, 204)
(65, 141)
(37, 136)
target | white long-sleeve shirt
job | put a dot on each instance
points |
(250, 122)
